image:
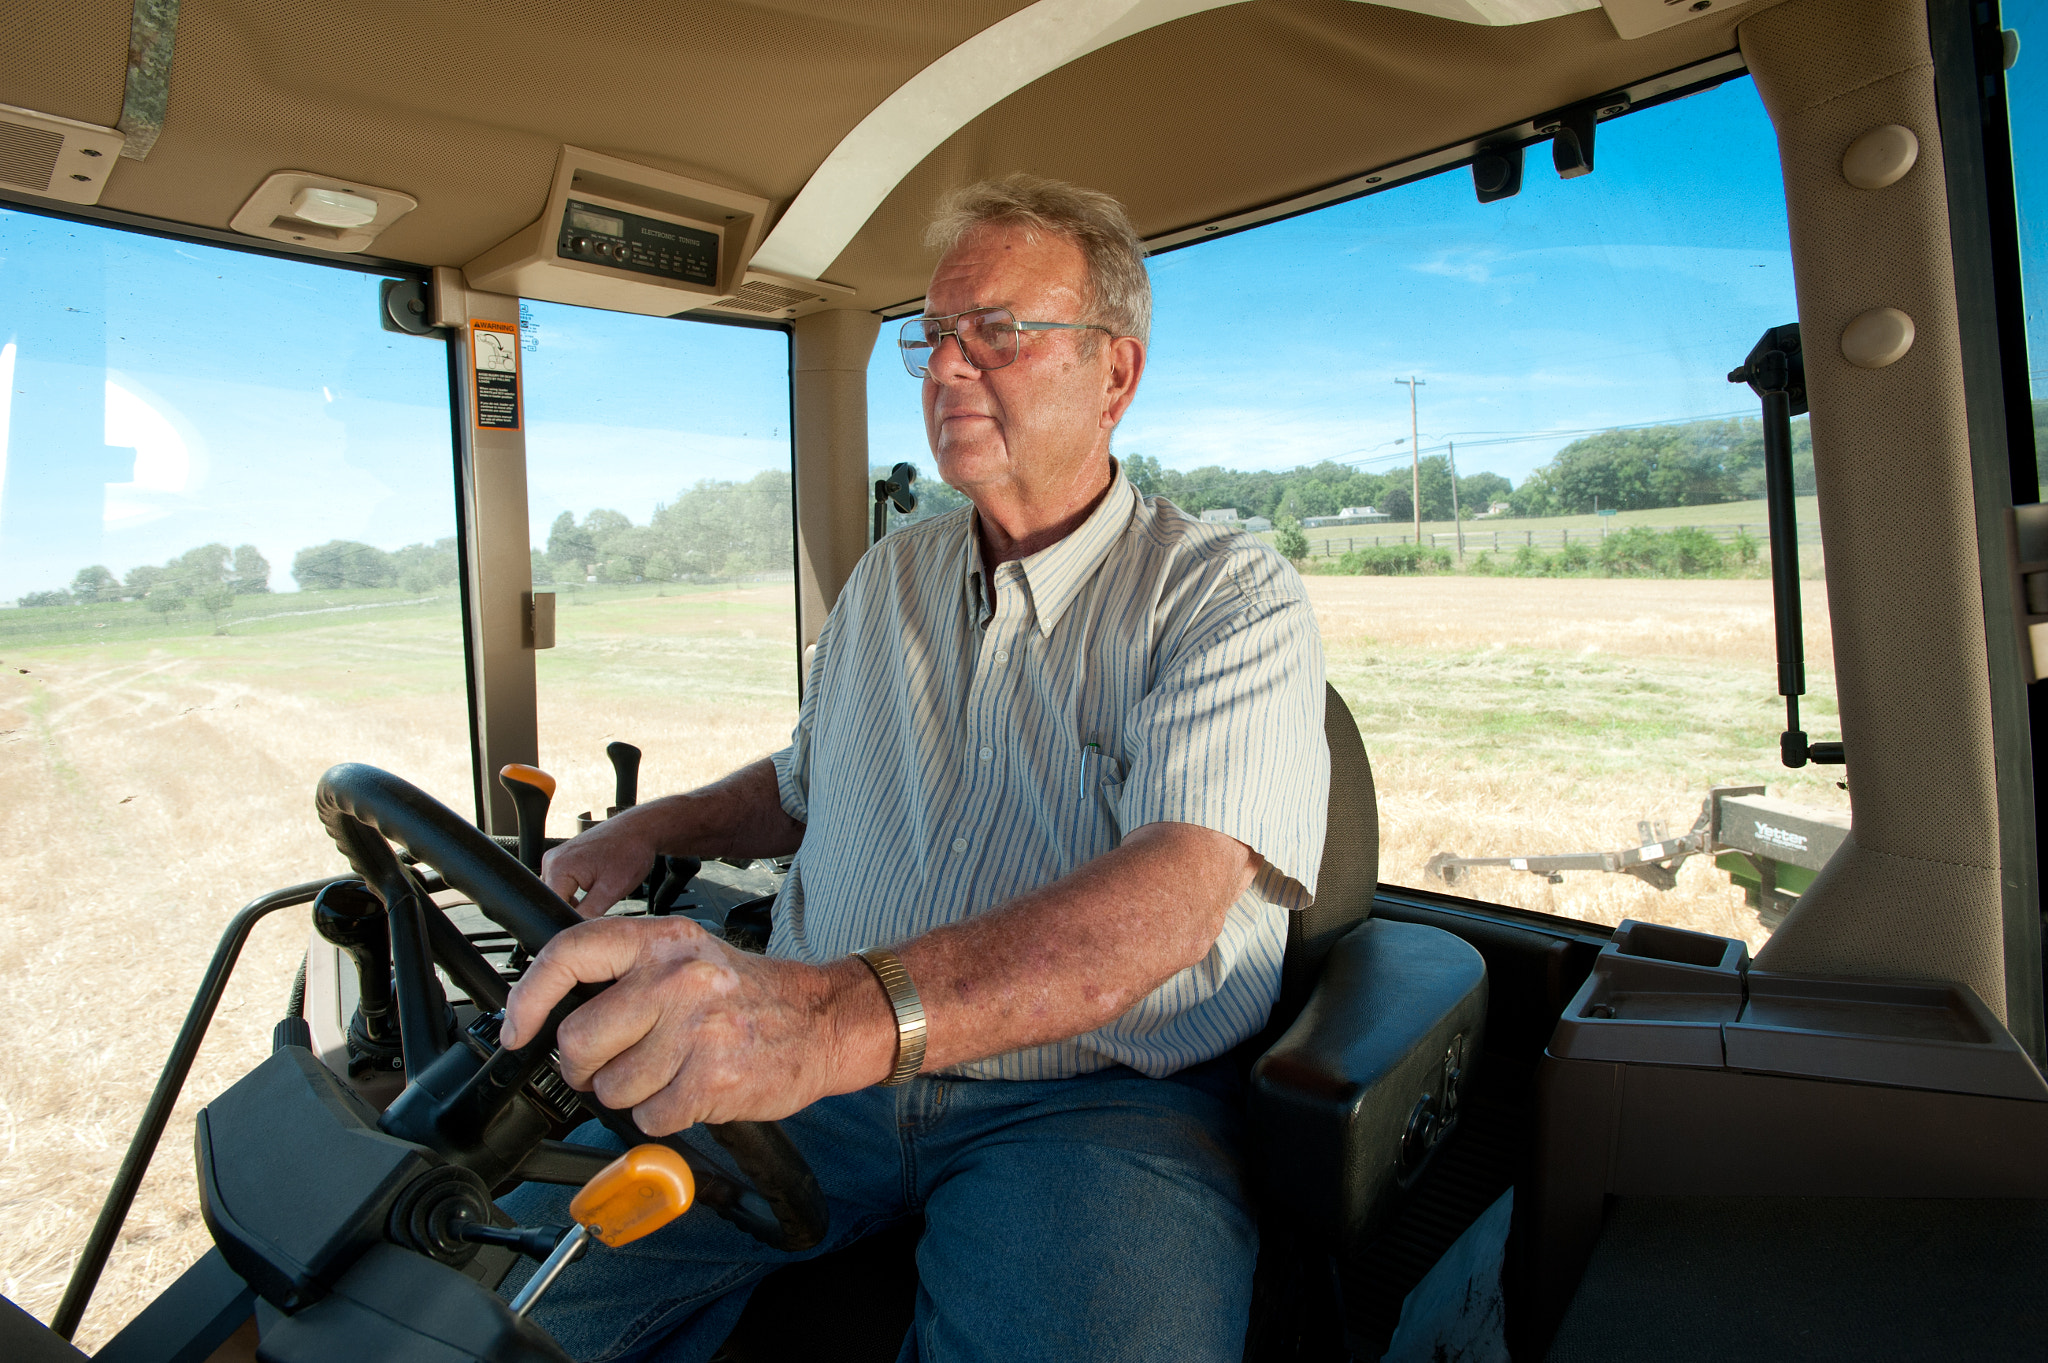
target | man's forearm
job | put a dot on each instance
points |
(1078, 953)
(740, 816)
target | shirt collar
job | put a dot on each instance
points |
(1054, 575)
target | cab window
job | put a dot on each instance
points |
(659, 502)
(227, 562)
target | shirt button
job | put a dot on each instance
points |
(1002, 655)
(988, 754)
(959, 844)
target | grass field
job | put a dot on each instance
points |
(158, 776)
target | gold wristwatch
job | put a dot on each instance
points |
(909, 1012)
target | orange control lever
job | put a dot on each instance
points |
(532, 776)
(531, 790)
(636, 1194)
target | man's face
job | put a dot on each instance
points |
(1033, 426)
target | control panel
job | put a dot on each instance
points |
(601, 235)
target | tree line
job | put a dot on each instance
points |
(208, 579)
(713, 530)
(718, 529)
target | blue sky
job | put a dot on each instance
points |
(1619, 297)
(262, 404)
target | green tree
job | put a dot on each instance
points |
(140, 579)
(95, 584)
(343, 563)
(570, 546)
(1288, 539)
(56, 598)
(426, 567)
(721, 529)
(251, 571)
(1477, 491)
(216, 601)
(165, 599)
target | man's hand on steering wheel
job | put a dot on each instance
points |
(694, 1030)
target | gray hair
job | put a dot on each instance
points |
(1119, 292)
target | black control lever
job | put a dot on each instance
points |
(626, 773)
(347, 914)
(535, 1242)
(1776, 371)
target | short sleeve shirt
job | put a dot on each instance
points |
(968, 736)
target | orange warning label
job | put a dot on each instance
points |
(494, 360)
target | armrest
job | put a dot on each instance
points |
(1350, 1103)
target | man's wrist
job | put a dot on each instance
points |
(907, 1010)
(863, 1025)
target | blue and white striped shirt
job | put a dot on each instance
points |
(962, 742)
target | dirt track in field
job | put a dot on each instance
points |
(149, 788)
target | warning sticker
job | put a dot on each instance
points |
(494, 351)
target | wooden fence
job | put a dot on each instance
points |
(1494, 539)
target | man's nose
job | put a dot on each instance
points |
(949, 362)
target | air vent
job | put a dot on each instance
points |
(28, 156)
(779, 296)
(55, 158)
(760, 297)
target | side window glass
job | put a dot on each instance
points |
(2026, 96)
(659, 497)
(1578, 655)
(227, 562)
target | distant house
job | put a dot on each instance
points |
(1498, 508)
(1350, 515)
(1257, 524)
(1222, 515)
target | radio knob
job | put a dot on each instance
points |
(579, 245)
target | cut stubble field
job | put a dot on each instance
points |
(158, 780)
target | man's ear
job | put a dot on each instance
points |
(1126, 367)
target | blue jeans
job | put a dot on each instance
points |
(1101, 1217)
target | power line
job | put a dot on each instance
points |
(1527, 437)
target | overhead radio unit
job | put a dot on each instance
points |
(634, 239)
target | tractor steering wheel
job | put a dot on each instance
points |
(366, 810)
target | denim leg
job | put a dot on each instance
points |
(674, 1296)
(1099, 1218)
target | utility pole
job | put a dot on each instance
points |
(1457, 520)
(1415, 455)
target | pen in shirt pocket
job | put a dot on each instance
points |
(1099, 771)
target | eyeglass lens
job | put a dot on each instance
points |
(987, 336)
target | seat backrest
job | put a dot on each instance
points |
(1350, 871)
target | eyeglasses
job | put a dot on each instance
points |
(987, 337)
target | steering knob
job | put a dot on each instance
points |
(352, 918)
(531, 790)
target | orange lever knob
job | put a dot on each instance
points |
(636, 1194)
(532, 776)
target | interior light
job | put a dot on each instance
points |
(333, 207)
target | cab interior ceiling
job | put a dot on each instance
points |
(465, 107)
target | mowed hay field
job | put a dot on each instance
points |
(152, 784)
(156, 781)
(1509, 716)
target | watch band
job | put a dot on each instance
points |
(903, 998)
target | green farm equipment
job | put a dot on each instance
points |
(1771, 848)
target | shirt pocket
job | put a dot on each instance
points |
(1099, 798)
